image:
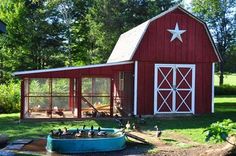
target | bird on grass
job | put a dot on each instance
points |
(158, 132)
(141, 120)
(120, 122)
(135, 127)
(128, 126)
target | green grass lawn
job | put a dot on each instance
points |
(191, 127)
(229, 79)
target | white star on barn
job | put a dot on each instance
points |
(176, 33)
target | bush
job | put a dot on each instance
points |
(10, 97)
(225, 90)
(220, 131)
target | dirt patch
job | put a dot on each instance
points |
(157, 146)
(36, 146)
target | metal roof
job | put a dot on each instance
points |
(129, 41)
(69, 68)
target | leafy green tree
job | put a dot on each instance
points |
(33, 39)
(108, 19)
(46, 34)
(220, 16)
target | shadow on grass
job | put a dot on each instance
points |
(169, 140)
(228, 107)
(192, 122)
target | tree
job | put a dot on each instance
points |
(33, 39)
(220, 16)
(108, 19)
(46, 34)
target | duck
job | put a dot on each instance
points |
(52, 133)
(65, 131)
(128, 126)
(101, 133)
(80, 133)
(158, 132)
(120, 122)
(135, 127)
(91, 132)
(58, 132)
(141, 120)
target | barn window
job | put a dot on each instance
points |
(121, 80)
(49, 98)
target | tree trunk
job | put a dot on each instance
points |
(221, 82)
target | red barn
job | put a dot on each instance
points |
(164, 65)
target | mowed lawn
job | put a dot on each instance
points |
(229, 79)
(191, 127)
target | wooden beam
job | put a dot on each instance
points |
(87, 102)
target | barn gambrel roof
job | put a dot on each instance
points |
(129, 41)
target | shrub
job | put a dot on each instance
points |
(220, 131)
(10, 97)
(225, 90)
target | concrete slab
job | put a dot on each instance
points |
(6, 153)
(22, 141)
(14, 147)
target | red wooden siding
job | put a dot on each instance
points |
(145, 87)
(156, 45)
(203, 89)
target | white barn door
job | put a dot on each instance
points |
(174, 87)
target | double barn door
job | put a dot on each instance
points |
(174, 87)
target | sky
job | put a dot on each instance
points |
(187, 1)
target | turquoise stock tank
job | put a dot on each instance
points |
(89, 144)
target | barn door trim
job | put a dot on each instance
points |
(174, 89)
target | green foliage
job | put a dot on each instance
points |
(34, 38)
(225, 90)
(108, 19)
(230, 63)
(220, 16)
(220, 131)
(10, 97)
(48, 34)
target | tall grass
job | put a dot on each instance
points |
(10, 97)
